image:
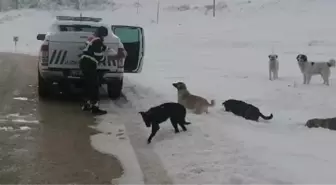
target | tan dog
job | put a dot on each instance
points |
(196, 103)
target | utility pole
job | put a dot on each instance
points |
(17, 4)
(138, 6)
(214, 8)
(158, 12)
(78, 5)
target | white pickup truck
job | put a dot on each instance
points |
(62, 45)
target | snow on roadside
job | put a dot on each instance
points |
(26, 26)
(114, 140)
(224, 59)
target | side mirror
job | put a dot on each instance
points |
(41, 37)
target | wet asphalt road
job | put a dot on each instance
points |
(45, 141)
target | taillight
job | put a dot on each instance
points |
(121, 63)
(45, 54)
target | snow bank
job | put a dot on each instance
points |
(226, 58)
(114, 140)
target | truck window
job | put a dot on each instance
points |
(128, 35)
(77, 28)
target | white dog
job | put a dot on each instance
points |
(310, 69)
(273, 66)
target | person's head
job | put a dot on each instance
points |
(101, 32)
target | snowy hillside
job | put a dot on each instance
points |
(221, 58)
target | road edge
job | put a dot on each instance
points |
(115, 141)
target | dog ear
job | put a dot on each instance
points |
(298, 57)
(305, 58)
(276, 56)
(269, 56)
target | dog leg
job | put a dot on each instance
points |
(206, 110)
(327, 82)
(325, 79)
(277, 70)
(198, 110)
(155, 128)
(174, 123)
(270, 74)
(181, 123)
(309, 78)
(304, 79)
(276, 75)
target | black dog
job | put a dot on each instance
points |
(156, 115)
(245, 110)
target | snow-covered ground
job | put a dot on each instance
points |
(221, 58)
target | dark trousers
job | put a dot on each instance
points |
(90, 79)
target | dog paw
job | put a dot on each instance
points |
(197, 170)
(177, 131)
(122, 138)
(120, 134)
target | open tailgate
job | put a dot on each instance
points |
(65, 50)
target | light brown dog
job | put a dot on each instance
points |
(192, 102)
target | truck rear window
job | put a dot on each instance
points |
(77, 28)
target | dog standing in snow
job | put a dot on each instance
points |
(190, 101)
(273, 66)
(159, 114)
(309, 69)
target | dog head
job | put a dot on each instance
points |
(226, 106)
(180, 86)
(332, 63)
(313, 123)
(146, 118)
(273, 57)
(302, 58)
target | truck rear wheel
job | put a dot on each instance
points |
(65, 87)
(43, 87)
(114, 88)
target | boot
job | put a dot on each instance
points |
(97, 111)
(86, 106)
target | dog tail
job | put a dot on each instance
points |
(187, 123)
(212, 103)
(332, 63)
(266, 117)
